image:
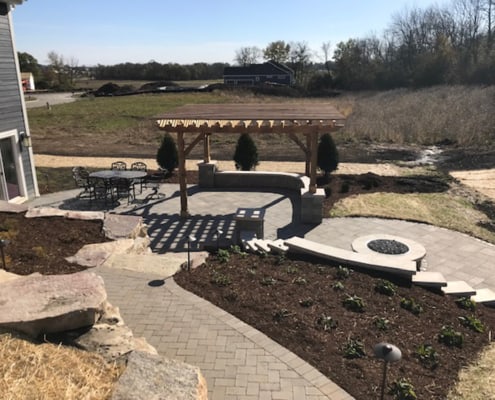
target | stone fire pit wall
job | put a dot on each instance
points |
(311, 203)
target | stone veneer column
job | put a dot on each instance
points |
(207, 174)
(312, 207)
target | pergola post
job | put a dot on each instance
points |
(307, 170)
(206, 148)
(314, 160)
(182, 174)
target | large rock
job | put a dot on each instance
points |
(111, 338)
(118, 226)
(45, 212)
(154, 377)
(52, 303)
(94, 255)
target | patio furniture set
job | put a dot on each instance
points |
(113, 184)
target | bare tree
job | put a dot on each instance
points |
(300, 56)
(325, 48)
(73, 64)
(247, 55)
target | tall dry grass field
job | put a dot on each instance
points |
(464, 115)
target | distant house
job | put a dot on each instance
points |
(27, 79)
(17, 172)
(256, 74)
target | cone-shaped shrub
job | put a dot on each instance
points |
(328, 156)
(246, 153)
(167, 156)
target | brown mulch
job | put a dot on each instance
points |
(286, 297)
(41, 244)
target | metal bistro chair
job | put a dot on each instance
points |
(139, 166)
(120, 165)
(81, 178)
(101, 190)
(123, 188)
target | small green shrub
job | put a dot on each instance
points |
(410, 304)
(402, 389)
(300, 281)
(465, 303)
(342, 272)
(326, 322)
(235, 249)
(428, 356)
(281, 314)
(381, 323)
(220, 279)
(307, 302)
(280, 259)
(354, 348)
(472, 323)
(338, 286)
(354, 303)
(385, 287)
(292, 270)
(223, 255)
(268, 281)
(450, 337)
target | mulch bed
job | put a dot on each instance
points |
(41, 244)
(289, 298)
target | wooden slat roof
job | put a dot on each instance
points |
(252, 117)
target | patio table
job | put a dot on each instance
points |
(111, 176)
(118, 174)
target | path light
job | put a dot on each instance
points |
(3, 244)
(388, 353)
(218, 233)
(190, 239)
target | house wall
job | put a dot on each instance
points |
(12, 109)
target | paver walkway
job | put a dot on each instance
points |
(238, 361)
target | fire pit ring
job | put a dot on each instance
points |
(390, 246)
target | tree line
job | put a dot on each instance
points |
(449, 44)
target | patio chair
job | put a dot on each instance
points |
(139, 166)
(123, 188)
(101, 189)
(121, 165)
(81, 178)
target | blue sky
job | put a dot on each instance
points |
(187, 31)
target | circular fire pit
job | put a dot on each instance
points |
(390, 245)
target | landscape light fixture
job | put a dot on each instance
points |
(3, 244)
(218, 233)
(24, 140)
(190, 239)
(388, 353)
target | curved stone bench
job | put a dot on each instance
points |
(375, 262)
(261, 179)
(311, 203)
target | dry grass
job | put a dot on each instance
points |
(462, 114)
(440, 209)
(47, 371)
(476, 381)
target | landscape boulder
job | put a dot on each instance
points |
(38, 304)
(110, 337)
(118, 226)
(153, 377)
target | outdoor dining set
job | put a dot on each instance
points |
(112, 185)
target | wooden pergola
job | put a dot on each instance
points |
(297, 120)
